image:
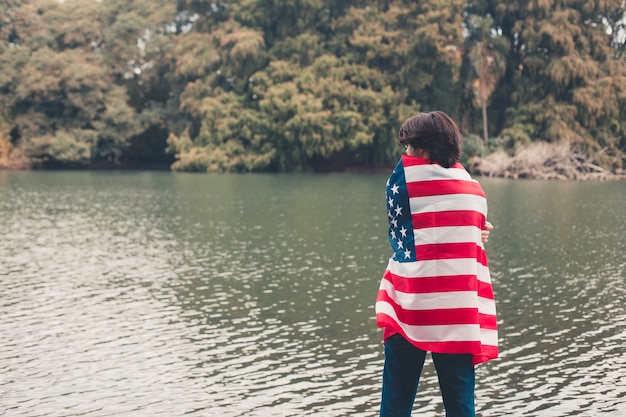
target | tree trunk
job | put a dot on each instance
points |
(485, 133)
(483, 81)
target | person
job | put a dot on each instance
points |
(436, 294)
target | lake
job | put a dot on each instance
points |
(162, 294)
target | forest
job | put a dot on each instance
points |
(308, 85)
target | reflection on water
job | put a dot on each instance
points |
(158, 294)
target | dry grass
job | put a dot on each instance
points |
(541, 160)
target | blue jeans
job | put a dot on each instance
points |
(403, 367)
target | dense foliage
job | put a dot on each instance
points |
(283, 85)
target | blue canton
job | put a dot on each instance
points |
(399, 215)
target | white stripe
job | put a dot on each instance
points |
(447, 234)
(430, 301)
(440, 333)
(448, 202)
(486, 306)
(434, 268)
(489, 337)
(434, 171)
(483, 274)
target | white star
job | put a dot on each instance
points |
(407, 254)
(400, 244)
(394, 222)
(390, 201)
(398, 211)
(389, 214)
(394, 189)
(403, 231)
(388, 181)
(393, 234)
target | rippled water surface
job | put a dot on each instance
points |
(159, 294)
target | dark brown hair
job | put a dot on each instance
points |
(434, 132)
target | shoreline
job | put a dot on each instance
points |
(479, 172)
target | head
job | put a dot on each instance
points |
(435, 133)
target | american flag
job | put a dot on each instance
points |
(436, 290)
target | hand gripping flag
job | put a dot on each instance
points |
(436, 290)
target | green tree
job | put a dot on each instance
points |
(414, 44)
(254, 85)
(565, 68)
(57, 87)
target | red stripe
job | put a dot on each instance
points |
(487, 353)
(409, 161)
(447, 251)
(488, 321)
(448, 218)
(425, 285)
(432, 284)
(485, 290)
(443, 187)
(482, 257)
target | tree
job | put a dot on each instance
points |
(253, 85)
(568, 81)
(485, 55)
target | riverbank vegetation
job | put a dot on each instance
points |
(261, 85)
